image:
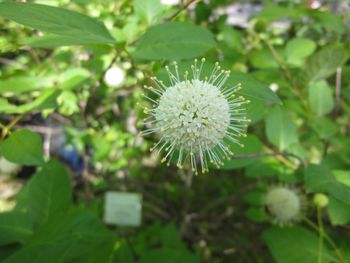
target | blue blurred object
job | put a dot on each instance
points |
(71, 157)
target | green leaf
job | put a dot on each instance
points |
(19, 85)
(295, 245)
(251, 145)
(23, 147)
(49, 192)
(274, 12)
(338, 212)
(280, 129)
(330, 21)
(46, 100)
(320, 98)
(14, 227)
(263, 59)
(65, 238)
(252, 88)
(52, 41)
(256, 214)
(185, 41)
(168, 255)
(73, 77)
(57, 21)
(319, 178)
(298, 49)
(325, 128)
(324, 63)
(232, 37)
(148, 10)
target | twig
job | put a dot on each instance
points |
(184, 7)
(12, 63)
(337, 91)
(286, 73)
(7, 128)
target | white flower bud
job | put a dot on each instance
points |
(114, 77)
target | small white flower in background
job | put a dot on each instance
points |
(7, 167)
(196, 116)
(170, 2)
(274, 87)
(114, 77)
(285, 205)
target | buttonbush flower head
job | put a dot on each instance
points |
(284, 204)
(196, 116)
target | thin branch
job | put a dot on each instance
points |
(337, 91)
(7, 61)
(184, 7)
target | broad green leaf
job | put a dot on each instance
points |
(273, 12)
(52, 41)
(251, 144)
(67, 237)
(330, 21)
(342, 176)
(49, 192)
(319, 178)
(324, 127)
(280, 129)
(253, 88)
(324, 63)
(185, 41)
(73, 77)
(6, 107)
(58, 21)
(23, 147)
(232, 37)
(46, 100)
(320, 98)
(122, 253)
(17, 85)
(295, 245)
(14, 227)
(338, 212)
(262, 59)
(256, 214)
(298, 49)
(148, 10)
(263, 167)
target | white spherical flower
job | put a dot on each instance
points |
(114, 77)
(274, 87)
(284, 204)
(196, 117)
(7, 167)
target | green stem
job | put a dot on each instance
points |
(321, 234)
(7, 128)
(327, 238)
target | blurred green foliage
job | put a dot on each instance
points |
(293, 63)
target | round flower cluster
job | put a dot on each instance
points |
(284, 204)
(196, 117)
